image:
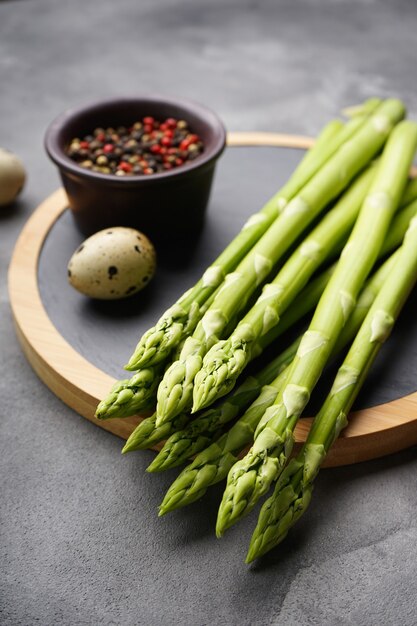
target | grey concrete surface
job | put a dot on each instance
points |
(80, 540)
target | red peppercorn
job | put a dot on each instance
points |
(148, 120)
(166, 141)
(108, 147)
(147, 129)
(168, 133)
(172, 151)
(84, 145)
(179, 161)
(193, 138)
(171, 123)
(184, 144)
(167, 166)
(164, 126)
(148, 170)
(125, 167)
(101, 137)
(164, 150)
(156, 148)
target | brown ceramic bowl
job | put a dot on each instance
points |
(169, 207)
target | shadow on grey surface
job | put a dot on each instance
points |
(199, 518)
(196, 522)
(15, 208)
(180, 254)
(124, 308)
(293, 545)
(329, 482)
(368, 468)
(193, 523)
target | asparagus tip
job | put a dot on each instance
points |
(250, 557)
(219, 530)
(134, 363)
(202, 397)
(154, 466)
(256, 549)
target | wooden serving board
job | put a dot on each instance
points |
(77, 346)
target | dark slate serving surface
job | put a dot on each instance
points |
(245, 179)
(80, 543)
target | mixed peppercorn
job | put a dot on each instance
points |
(147, 147)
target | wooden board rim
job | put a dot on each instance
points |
(371, 432)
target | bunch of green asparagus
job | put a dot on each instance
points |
(346, 224)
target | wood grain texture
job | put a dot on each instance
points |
(371, 432)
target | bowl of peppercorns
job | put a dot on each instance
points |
(142, 162)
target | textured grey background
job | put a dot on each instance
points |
(80, 541)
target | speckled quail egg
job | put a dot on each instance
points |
(12, 176)
(113, 263)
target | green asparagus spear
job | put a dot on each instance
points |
(147, 433)
(201, 432)
(410, 192)
(180, 320)
(310, 295)
(331, 138)
(175, 391)
(213, 464)
(225, 361)
(222, 455)
(306, 301)
(251, 477)
(401, 222)
(322, 145)
(129, 396)
(293, 489)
